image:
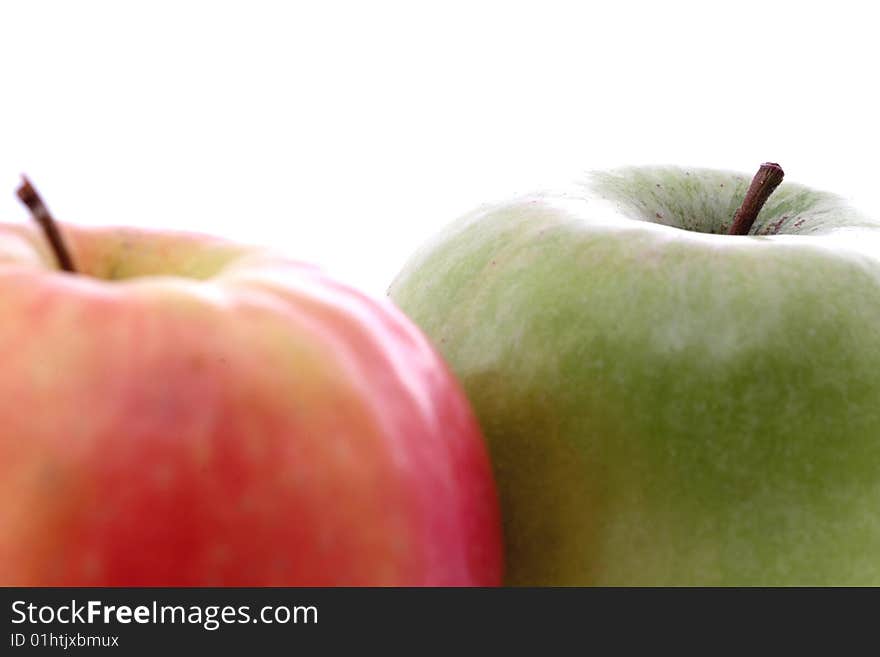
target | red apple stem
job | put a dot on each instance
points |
(42, 216)
(763, 185)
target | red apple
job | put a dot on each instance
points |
(186, 411)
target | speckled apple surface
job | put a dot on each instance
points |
(666, 405)
(189, 412)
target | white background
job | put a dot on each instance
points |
(348, 132)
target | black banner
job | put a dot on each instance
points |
(193, 621)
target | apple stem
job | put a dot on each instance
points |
(763, 184)
(42, 216)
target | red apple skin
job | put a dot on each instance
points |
(265, 427)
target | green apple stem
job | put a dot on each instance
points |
(42, 216)
(763, 184)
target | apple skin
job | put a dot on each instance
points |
(262, 426)
(666, 405)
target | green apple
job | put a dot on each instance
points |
(665, 403)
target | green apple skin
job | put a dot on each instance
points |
(666, 404)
